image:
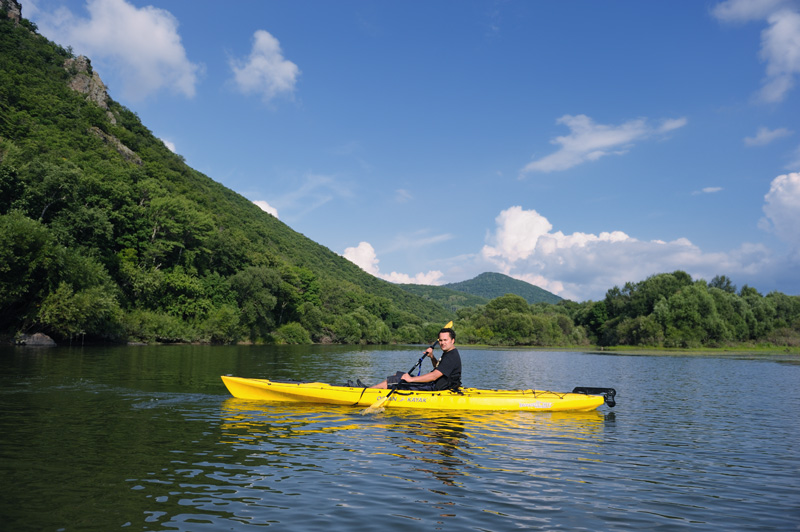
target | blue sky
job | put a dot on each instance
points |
(575, 145)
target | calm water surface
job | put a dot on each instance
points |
(147, 438)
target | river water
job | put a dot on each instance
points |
(147, 438)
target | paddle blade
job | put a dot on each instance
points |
(376, 407)
(449, 325)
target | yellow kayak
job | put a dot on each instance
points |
(580, 399)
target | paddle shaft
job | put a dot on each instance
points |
(419, 363)
(382, 400)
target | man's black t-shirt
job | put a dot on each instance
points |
(450, 366)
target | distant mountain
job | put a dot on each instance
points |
(445, 297)
(492, 285)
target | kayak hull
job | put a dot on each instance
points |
(465, 399)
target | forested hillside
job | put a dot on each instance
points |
(105, 233)
(491, 285)
(446, 297)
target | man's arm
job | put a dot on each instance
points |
(428, 377)
(429, 352)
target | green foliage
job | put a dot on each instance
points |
(671, 310)
(359, 327)
(150, 326)
(94, 208)
(255, 287)
(493, 285)
(92, 311)
(446, 297)
(28, 253)
(510, 320)
(222, 325)
(291, 333)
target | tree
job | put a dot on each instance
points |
(693, 318)
(28, 254)
(222, 325)
(68, 313)
(508, 302)
(724, 283)
(291, 333)
(641, 330)
(255, 287)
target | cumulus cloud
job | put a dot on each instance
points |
(589, 141)
(141, 45)
(583, 266)
(364, 257)
(765, 135)
(169, 144)
(780, 40)
(782, 209)
(265, 71)
(266, 207)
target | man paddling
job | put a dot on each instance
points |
(446, 374)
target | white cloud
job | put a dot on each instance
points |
(315, 190)
(764, 136)
(265, 71)
(589, 141)
(430, 278)
(780, 49)
(782, 208)
(141, 46)
(583, 266)
(364, 257)
(402, 195)
(746, 10)
(795, 162)
(170, 145)
(266, 207)
(707, 190)
(416, 240)
(780, 41)
(672, 123)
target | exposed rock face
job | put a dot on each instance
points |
(87, 81)
(127, 153)
(13, 8)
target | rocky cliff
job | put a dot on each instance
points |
(13, 9)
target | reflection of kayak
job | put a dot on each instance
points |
(464, 399)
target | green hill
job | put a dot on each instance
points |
(105, 233)
(492, 285)
(445, 297)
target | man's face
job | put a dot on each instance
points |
(445, 342)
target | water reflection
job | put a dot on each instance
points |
(444, 445)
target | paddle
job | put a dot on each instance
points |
(377, 406)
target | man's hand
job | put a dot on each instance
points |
(429, 352)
